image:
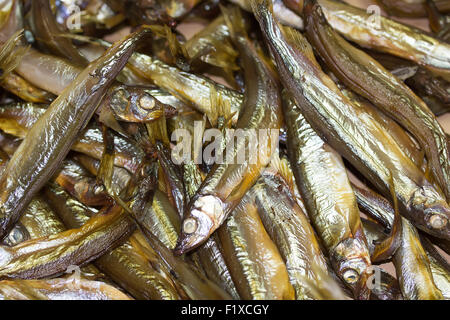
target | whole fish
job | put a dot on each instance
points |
(39, 220)
(329, 199)
(43, 149)
(227, 183)
(52, 255)
(351, 130)
(379, 86)
(392, 37)
(255, 264)
(128, 103)
(210, 254)
(195, 90)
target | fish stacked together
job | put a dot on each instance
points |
(316, 161)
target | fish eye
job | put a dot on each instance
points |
(350, 276)
(437, 221)
(147, 102)
(190, 225)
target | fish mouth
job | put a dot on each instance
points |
(180, 249)
(195, 229)
(187, 242)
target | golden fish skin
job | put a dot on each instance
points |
(226, 184)
(128, 103)
(331, 205)
(412, 264)
(17, 85)
(403, 139)
(212, 46)
(38, 221)
(160, 218)
(211, 257)
(51, 255)
(393, 38)
(352, 131)
(126, 265)
(59, 289)
(289, 227)
(440, 267)
(47, 31)
(17, 119)
(192, 89)
(255, 264)
(367, 77)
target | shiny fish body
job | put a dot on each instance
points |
(393, 37)
(130, 268)
(411, 262)
(255, 264)
(329, 199)
(353, 132)
(289, 228)
(383, 89)
(43, 149)
(227, 183)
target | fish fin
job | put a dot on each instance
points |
(234, 20)
(221, 114)
(177, 50)
(106, 168)
(157, 131)
(282, 167)
(386, 248)
(10, 56)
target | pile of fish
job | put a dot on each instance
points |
(107, 190)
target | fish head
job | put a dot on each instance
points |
(430, 212)
(138, 104)
(351, 260)
(203, 218)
